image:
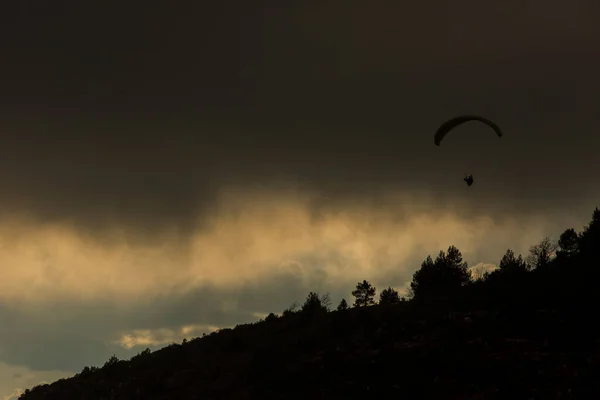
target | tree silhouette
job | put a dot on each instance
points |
(290, 310)
(420, 277)
(326, 301)
(511, 263)
(445, 275)
(271, 317)
(508, 278)
(589, 242)
(364, 294)
(542, 253)
(389, 296)
(343, 305)
(315, 303)
(568, 243)
(112, 361)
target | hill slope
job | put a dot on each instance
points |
(364, 352)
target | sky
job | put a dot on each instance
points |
(171, 168)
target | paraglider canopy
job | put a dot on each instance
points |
(454, 122)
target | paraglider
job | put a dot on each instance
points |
(453, 123)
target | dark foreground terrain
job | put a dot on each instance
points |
(503, 354)
(525, 331)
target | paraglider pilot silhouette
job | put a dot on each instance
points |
(453, 123)
(469, 180)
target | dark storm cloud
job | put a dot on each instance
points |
(137, 111)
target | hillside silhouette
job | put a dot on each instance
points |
(526, 330)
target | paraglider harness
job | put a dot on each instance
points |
(469, 180)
